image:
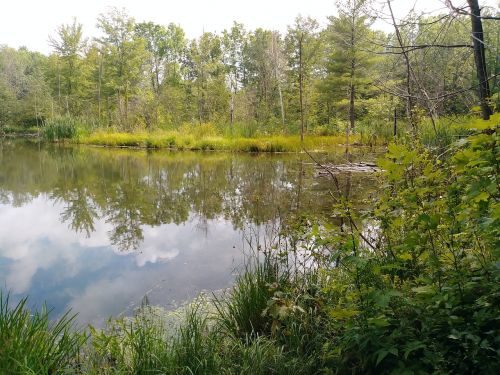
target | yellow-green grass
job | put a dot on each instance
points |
(176, 140)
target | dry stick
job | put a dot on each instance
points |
(439, 97)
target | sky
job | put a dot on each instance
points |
(30, 22)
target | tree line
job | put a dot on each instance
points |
(346, 75)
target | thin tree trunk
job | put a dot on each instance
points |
(411, 74)
(395, 125)
(281, 107)
(409, 101)
(36, 111)
(277, 78)
(301, 82)
(99, 85)
(479, 57)
(108, 111)
(353, 72)
(59, 86)
(231, 106)
(351, 107)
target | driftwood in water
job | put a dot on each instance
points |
(361, 167)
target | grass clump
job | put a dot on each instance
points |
(31, 344)
(59, 128)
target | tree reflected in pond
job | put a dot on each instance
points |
(130, 189)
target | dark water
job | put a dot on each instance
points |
(96, 230)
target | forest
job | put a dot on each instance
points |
(137, 77)
(391, 271)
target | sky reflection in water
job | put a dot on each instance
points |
(96, 230)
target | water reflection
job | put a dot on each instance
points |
(97, 229)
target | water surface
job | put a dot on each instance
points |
(96, 230)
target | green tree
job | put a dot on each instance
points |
(349, 63)
(234, 43)
(69, 47)
(303, 50)
(124, 55)
(207, 77)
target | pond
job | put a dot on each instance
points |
(96, 230)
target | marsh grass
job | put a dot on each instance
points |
(17, 130)
(230, 334)
(446, 131)
(59, 128)
(183, 141)
(251, 329)
(31, 344)
(240, 313)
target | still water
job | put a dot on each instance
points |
(96, 230)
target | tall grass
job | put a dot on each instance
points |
(241, 312)
(31, 344)
(444, 132)
(232, 334)
(59, 128)
(183, 141)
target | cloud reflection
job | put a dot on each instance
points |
(90, 275)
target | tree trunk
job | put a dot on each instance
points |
(351, 107)
(231, 107)
(277, 78)
(395, 124)
(409, 100)
(281, 107)
(99, 84)
(479, 57)
(301, 82)
(108, 111)
(353, 72)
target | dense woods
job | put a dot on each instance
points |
(145, 76)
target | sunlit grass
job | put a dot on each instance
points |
(181, 141)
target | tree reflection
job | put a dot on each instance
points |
(79, 212)
(132, 189)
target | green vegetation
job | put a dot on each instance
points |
(30, 344)
(58, 129)
(410, 286)
(343, 79)
(183, 141)
(418, 295)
